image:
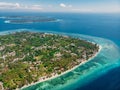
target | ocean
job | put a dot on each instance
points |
(101, 73)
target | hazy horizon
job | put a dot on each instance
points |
(79, 6)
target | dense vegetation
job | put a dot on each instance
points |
(27, 57)
(28, 19)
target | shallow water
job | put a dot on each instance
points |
(107, 59)
(101, 73)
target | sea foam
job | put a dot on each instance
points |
(91, 70)
(7, 21)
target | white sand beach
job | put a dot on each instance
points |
(55, 76)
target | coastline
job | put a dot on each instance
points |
(58, 75)
(102, 72)
(55, 76)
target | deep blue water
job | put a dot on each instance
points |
(100, 25)
(109, 81)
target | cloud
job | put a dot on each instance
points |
(65, 6)
(36, 7)
(17, 5)
(6, 5)
(98, 9)
(62, 7)
(9, 5)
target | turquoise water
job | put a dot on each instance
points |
(100, 73)
(82, 75)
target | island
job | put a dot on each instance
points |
(27, 57)
(28, 19)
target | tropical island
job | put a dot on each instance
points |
(27, 57)
(27, 19)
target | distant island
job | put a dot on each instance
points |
(28, 57)
(28, 19)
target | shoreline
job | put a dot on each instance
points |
(55, 76)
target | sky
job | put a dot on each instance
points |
(93, 6)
